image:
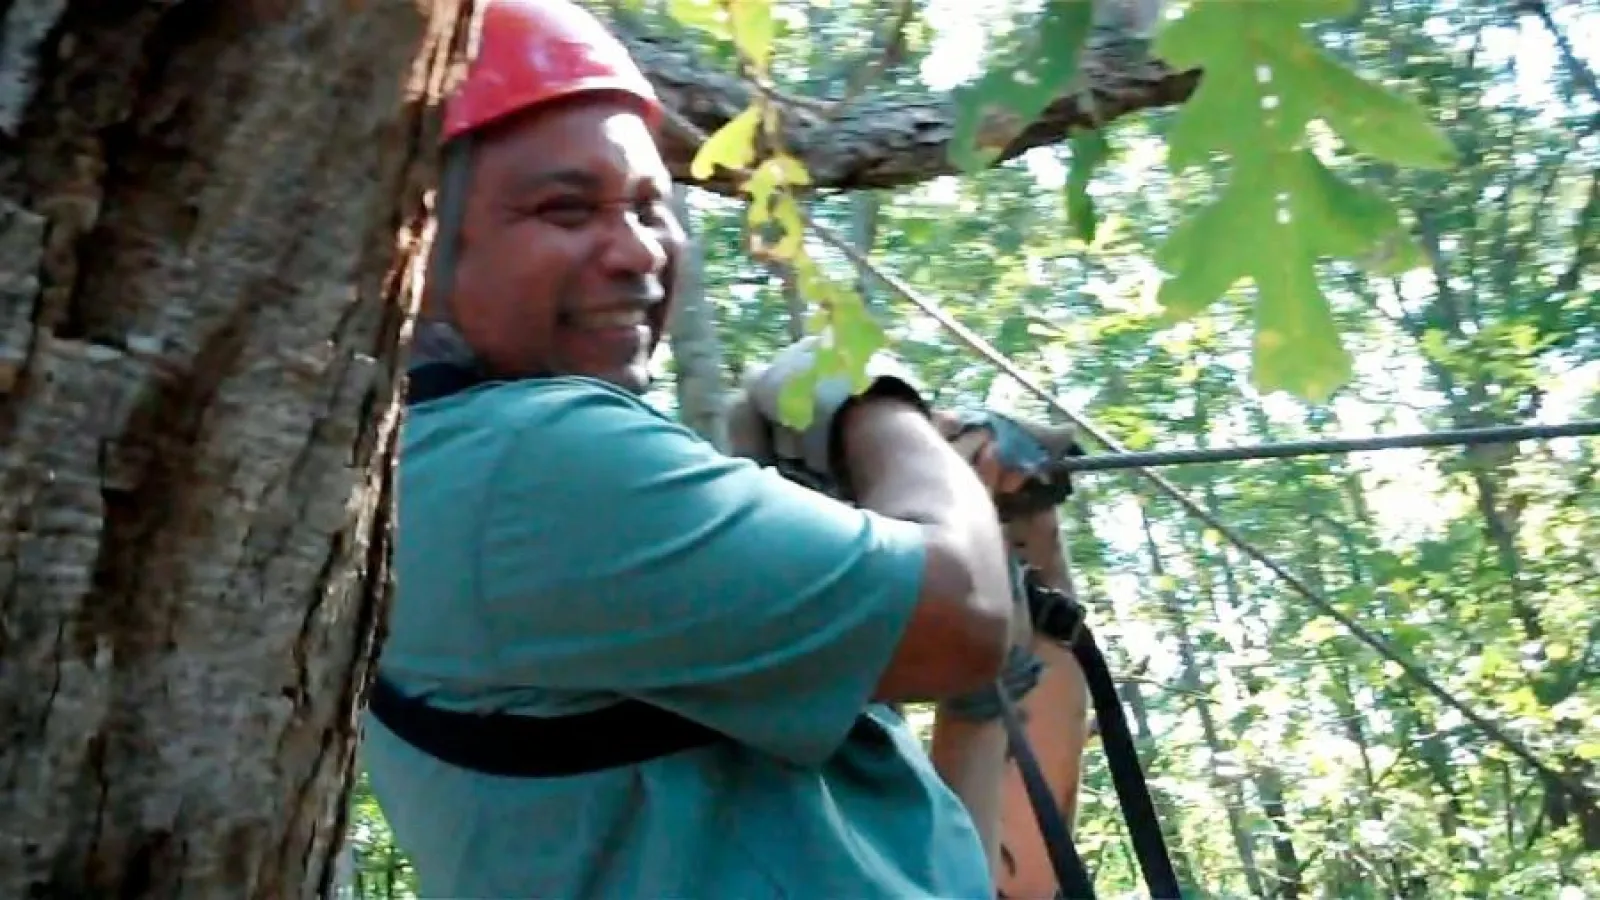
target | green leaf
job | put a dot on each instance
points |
(1409, 637)
(1375, 120)
(1297, 346)
(1266, 78)
(791, 170)
(1589, 750)
(1320, 629)
(732, 147)
(1190, 40)
(1264, 226)
(1209, 119)
(797, 400)
(857, 336)
(1350, 222)
(794, 228)
(1206, 256)
(1020, 88)
(1089, 150)
(706, 15)
(761, 185)
(1491, 661)
(774, 171)
(1282, 210)
(752, 30)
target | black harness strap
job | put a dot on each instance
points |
(505, 744)
(1061, 618)
(624, 734)
(1071, 875)
(1122, 758)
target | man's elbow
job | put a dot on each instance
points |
(960, 630)
(982, 612)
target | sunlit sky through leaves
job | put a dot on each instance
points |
(957, 56)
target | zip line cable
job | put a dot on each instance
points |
(974, 341)
(984, 349)
(1461, 437)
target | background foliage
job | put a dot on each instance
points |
(1371, 217)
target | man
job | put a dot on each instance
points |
(568, 555)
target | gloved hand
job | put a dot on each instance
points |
(815, 448)
(1017, 459)
(982, 450)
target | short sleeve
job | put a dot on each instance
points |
(620, 552)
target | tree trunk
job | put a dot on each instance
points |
(695, 346)
(200, 321)
(1230, 788)
(864, 208)
(1267, 779)
(1269, 783)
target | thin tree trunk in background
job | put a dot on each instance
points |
(864, 207)
(1233, 792)
(1268, 782)
(695, 344)
(201, 319)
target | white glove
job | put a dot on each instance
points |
(815, 447)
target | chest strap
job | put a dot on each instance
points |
(509, 745)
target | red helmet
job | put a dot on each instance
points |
(534, 51)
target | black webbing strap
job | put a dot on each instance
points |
(1122, 758)
(623, 734)
(1071, 876)
(1060, 617)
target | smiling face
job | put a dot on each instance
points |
(568, 244)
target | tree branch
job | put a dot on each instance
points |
(886, 139)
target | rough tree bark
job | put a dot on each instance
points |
(200, 313)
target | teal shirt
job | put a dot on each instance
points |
(562, 545)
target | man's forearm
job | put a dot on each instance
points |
(971, 758)
(970, 755)
(904, 468)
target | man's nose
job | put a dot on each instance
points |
(632, 246)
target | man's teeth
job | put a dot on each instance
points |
(627, 318)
